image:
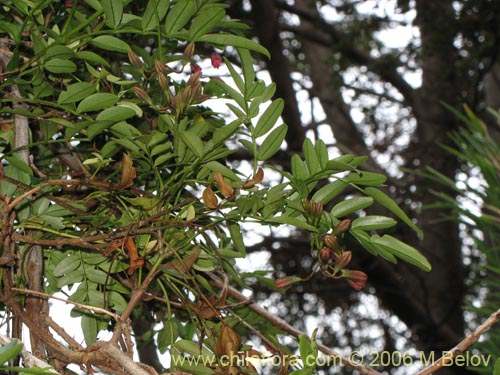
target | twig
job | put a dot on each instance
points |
(80, 305)
(470, 339)
(62, 332)
(280, 323)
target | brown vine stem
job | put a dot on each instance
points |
(280, 323)
(468, 340)
(82, 306)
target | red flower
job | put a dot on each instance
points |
(357, 279)
(216, 60)
(195, 68)
(286, 282)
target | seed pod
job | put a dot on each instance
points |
(142, 95)
(188, 53)
(259, 176)
(210, 198)
(228, 343)
(134, 59)
(163, 81)
(225, 188)
(331, 242)
(343, 227)
(160, 67)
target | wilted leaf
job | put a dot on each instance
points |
(128, 172)
(185, 264)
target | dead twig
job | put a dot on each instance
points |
(80, 305)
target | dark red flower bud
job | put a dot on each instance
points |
(216, 60)
(286, 282)
(325, 254)
(195, 68)
(357, 279)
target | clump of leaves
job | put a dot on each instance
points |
(128, 190)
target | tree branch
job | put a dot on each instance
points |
(470, 339)
(321, 32)
(283, 325)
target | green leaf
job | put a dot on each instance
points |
(249, 74)
(330, 191)
(221, 134)
(192, 348)
(179, 16)
(113, 10)
(293, 221)
(96, 275)
(373, 222)
(168, 335)
(116, 301)
(302, 371)
(322, 153)
(272, 143)
(10, 351)
(215, 166)
(299, 168)
(18, 163)
(92, 57)
(206, 21)
(237, 237)
(117, 113)
(269, 117)
(496, 370)
(67, 265)
(71, 278)
(154, 13)
(60, 66)
(52, 221)
(403, 251)
(58, 51)
(89, 328)
(351, 205)
(312, 161)
(234, 41)
(233, 94)
(76, 92)
(110, 43)
(96, 102)
(236, 77)
(392, 206)
(366, 178)
(305, 349)
(193, 142)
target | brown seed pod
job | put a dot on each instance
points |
(225, 188)
(210, 198)
(257, 178)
